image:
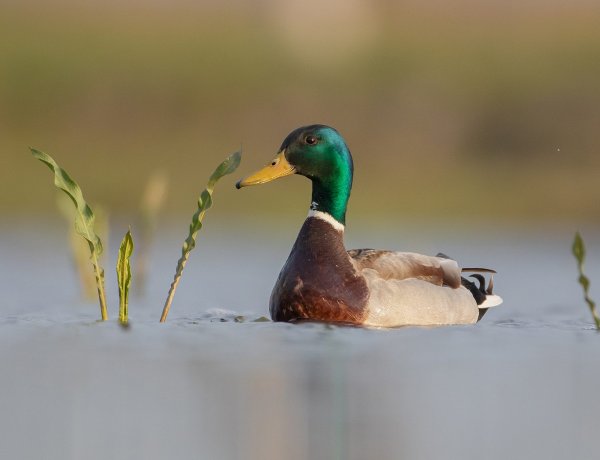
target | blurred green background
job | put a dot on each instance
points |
(457, 111)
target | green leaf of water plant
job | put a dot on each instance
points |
(578, 249)
(80, 250)
(204, 204)
(124, 276)
(84, 220)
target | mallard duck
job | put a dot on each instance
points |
(322, 281)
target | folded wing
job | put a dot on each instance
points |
(391, 265)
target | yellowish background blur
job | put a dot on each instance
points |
(459, 110)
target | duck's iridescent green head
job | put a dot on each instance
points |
(319, 153)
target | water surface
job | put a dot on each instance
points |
(523, 383)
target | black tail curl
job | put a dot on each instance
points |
(480, 291)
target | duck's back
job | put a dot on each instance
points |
(413, 289)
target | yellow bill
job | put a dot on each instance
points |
(279, 167)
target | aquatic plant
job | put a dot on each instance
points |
(124, 276)
(80, 253)
(153, 199)
(204, 204)
(84, 221)
(579, 253)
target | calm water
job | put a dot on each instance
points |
(523, 383)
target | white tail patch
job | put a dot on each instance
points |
(491, 300)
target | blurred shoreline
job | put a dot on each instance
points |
(467, 111)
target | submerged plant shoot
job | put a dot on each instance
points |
(153, 200)
(204, 204)
(124, 276)
(579, 253)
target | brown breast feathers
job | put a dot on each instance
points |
(319, 282)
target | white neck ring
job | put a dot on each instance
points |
(327, 218)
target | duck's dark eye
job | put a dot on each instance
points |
(311, 140)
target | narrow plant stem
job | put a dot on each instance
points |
(592, 306)
(204, 203)
(153, 199)
(172, 290)
(182, 263)
(101, 291)
(596, 318)
(578, 249)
